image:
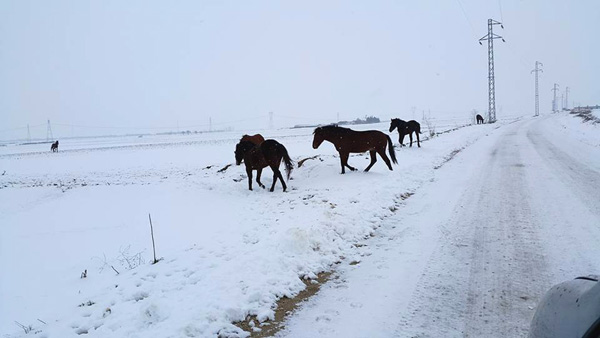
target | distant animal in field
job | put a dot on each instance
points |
(348, 141)
(256, 157)
(54, 146)
(479, 119)
(256, 139)
(406, 128)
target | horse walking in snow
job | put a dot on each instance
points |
(479, 119)
(348, 141)
(256, 157)
(54, 146)
(406, 128)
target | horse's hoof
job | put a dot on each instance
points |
(271, 190)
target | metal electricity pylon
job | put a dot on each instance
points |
(49, 132)
(567, 91)
(554, 89)
(490, 36)
(537, 93)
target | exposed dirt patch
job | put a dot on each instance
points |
(406, 195)
(448, 158)
(285, 307)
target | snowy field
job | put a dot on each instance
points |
(226, 252)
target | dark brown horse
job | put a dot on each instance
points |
(406, 128)
(348, 141)
(256, 139)
(256, 157)
(479, 119)
(54, 146)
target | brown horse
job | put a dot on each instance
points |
(479, 119)
(256, 157)
(406, 128)
(256, 139)
(348, 141)
(54, 146)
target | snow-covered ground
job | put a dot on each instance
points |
(229, 252)
(596, 113)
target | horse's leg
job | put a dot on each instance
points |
(343, 161)
(277, 174)
(373, 159)
(249, 172)
(347, 155)
(281, 179)
(410, 136)
(258, 172)
(418, 139)
(381, 152)
(274, 180)
(401, 139)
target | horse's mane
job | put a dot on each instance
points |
(333, 128)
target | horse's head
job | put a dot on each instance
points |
(241, 149)
(393, 124)
(318, 138)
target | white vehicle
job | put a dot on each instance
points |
(569, 309)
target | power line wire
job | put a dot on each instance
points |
(467, 18)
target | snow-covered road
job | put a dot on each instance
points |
(471, 253)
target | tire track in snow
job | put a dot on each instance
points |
(494, 237)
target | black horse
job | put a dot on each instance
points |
(406, 128)
(54, 146)
(479, 119)
(256, 157)
(348, 141)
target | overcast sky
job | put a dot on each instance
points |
(135, 65)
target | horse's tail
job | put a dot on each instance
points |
(391, 149)
(289, 164)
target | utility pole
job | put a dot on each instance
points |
(537, 93)
(210, 124)
(567, 91)
(270, 120)
(28, 134)
(554, 89)
(490, 36)
(49, 133)
(562, 101)
(338, 118)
